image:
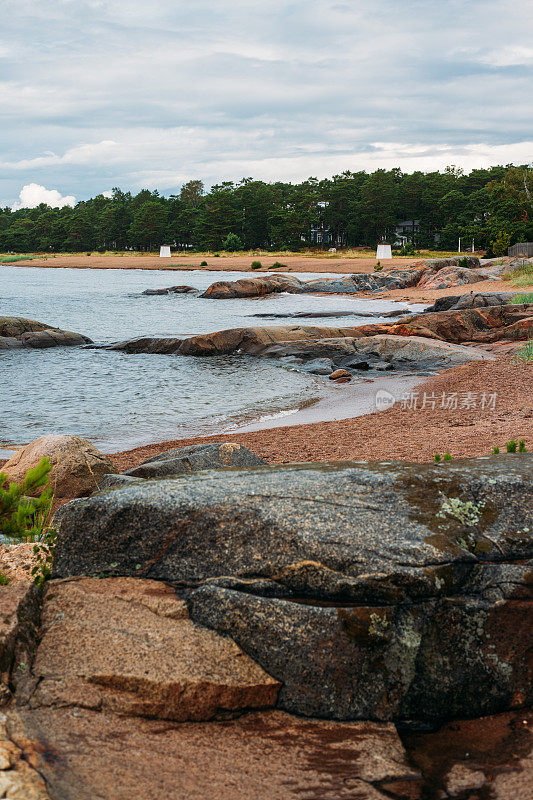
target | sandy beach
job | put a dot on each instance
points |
(494, 405)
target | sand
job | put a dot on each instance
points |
(479, 422)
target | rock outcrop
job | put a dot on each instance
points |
(84, 755)
(195, 458)
(430, 274)
(77, 466)
(472, 300)
(481, 325)
(383, 591)
(128, 646)
(16, 332)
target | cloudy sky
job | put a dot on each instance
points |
(100, 93)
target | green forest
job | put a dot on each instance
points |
(493, 207)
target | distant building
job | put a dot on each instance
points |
(322, 235)
(406, 231)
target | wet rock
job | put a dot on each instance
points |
(128, 646)
(194, 458)
(77, 466)
(16, 332)
(268, 755)
(318, 366)
(171, 290)
(339, 373)
(487, 757)
(394, 591)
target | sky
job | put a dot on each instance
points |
(102, 93)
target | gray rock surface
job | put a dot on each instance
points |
(384, 591)
(171, 290)
(195, 458)
(472, 300)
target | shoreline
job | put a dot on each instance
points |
(400, 434)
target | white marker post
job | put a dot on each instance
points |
(164, 251)
(384, 251)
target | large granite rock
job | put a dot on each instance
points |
(86, 755)
(16, 332)
(77, 466)
(129, 646)
(195, 458)
(384, 591)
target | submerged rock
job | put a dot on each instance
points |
(171, 290)
(16, 332)
(194, 458)
(77, 466)
(383, 591)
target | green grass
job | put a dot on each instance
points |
(523, 297)
(12, 259)
(525, 353)
(522, 276)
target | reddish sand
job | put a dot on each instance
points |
(472, 429)
(337, 263)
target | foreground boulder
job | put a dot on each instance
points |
(77, 466)
(16, 332)
(383, 591)
(129, 646)
(84, 755)
(194, 458)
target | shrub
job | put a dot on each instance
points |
(256, 265)
(24, 518)
(522, 446)
(511, 446)
(495, 450)
(408, 249)
(203, 264)
(446, 457)
(501, 243)
(278, 265)
(437, 458)
(378, 266)
(232, 243)
(4, 580)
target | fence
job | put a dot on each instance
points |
(524, 249)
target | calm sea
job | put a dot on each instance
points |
(120, 401)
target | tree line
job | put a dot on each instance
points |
(493, 207)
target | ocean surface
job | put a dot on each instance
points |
(119, 401)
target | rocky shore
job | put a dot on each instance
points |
(302, 612)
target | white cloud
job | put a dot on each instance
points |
(220, 89)
(33, 195)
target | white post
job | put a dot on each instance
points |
(459, 250)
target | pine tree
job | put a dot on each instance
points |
(23, 517)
